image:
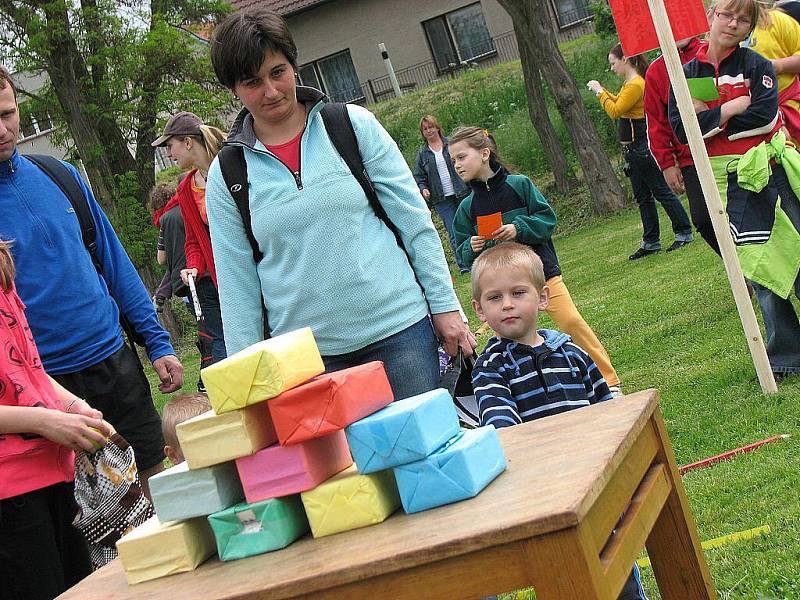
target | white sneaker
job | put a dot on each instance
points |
(615, 391)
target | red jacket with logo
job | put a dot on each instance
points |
(28, 462)
(198, 239)
(741, 73)
(665, 147)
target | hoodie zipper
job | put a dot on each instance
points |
(298, 180)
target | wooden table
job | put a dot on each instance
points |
(547, 522)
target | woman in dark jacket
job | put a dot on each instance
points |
(436, 177)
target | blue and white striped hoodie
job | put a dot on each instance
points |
(514, 382)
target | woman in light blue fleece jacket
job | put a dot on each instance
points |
(329, 262)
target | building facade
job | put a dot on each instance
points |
(426, 41)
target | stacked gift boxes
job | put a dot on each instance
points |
(275, 457)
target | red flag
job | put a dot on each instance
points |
(637, 33)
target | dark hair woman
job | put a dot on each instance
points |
(646, 178)
(437, 179)
(328, 262)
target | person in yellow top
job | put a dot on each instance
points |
(777, 38)
(647, 180)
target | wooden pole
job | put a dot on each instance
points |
(711, 192)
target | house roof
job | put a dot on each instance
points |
(285, 8)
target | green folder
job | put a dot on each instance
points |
(703, 89)
(248, 529)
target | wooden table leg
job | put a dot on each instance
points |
(564, 566)
(673, 544)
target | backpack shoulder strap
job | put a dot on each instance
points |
(234, 171)
(343, 136)
(64, 179)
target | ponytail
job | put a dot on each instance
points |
(212, 138)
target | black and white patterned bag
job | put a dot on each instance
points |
(457, 379)
(109, 496)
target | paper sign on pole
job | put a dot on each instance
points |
(637, 33)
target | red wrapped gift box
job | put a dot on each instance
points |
(329, 402)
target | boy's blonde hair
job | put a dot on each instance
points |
(180, 408)
(507, 255)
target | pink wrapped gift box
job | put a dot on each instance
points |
(283, 470)
(330, 402)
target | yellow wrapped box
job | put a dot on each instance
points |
(263, 370)
(350, 500)
(156, 549)
(210, 439)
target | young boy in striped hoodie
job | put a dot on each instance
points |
(525, 373)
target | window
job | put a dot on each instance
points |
(458, 37)
(32, 124)
(334, 75)
(571, 11)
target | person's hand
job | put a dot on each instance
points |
(477, 243)
(738, 105)
(699, 106)
(506, 233)
(79, 406)
(75, 431)
(454, 333)
(185, 275)
(674, 179)
(426, 193)
(170, 372)
(595, 86)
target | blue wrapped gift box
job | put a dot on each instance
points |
(459, 470)
(403, 432)
(179, 493)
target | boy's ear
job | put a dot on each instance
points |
(544, 298)
(174, 455)
(476, 306)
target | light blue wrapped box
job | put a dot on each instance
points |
(403, 432)
(179, 493)
(249, 529)
(460, 470)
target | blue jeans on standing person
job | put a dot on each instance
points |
(410, 358)
(780, 317)
(447, 211)
(648, 185)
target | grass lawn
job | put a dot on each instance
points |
(669, 322)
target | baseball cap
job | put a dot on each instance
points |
(183, 123)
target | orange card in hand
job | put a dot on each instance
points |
(488, 224)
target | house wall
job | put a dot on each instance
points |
(41, 143)
(359, 25)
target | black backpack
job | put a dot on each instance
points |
(341, 133)
(63, 178)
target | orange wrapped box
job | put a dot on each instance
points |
(329, 402)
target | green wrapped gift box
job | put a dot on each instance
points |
(248, 529)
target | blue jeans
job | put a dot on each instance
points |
(447, 211)
(648, 186)
(780, 317)
(410, 358)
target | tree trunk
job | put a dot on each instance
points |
(537, 110)
(99, 141)
(533, 22)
